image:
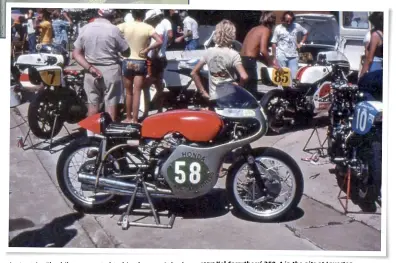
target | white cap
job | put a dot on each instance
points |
(128, 17)
(152, 13)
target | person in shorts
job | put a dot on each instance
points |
(156, 61)
(96, 50)
(134, 69)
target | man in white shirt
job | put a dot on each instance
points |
(190, 32)
(156, 60)
(31, 32)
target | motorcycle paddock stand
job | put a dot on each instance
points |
(124, 219)
(321, 148)
(347, 181)
(22, 142)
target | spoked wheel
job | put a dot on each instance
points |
(41, 115)
(74, 159)
(275, 107)
(283, 183)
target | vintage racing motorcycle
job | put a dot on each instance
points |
(179, 154)
(308, 96)
(355, 134)
(60, 96)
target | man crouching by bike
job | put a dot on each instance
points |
(96, 50)
(222, 61)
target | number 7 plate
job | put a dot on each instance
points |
(281, 78)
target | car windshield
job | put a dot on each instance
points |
(322, 30)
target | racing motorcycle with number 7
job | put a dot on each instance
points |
(179, 155)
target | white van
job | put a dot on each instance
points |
(353, 28)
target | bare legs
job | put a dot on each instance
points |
(133, 88)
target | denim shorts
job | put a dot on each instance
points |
(134, 67)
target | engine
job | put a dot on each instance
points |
(159, 151)
(344, 98)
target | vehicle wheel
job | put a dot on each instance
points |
(77, 197)
(41, 115)
(273, 103)
(242, 194)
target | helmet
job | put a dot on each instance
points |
(106, 12)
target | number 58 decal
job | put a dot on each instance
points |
(194, 172)
(187, 171)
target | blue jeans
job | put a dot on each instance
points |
(192, 44)
(32, 43)
(375, 65)
(289, 62)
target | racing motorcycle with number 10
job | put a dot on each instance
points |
(179, 155)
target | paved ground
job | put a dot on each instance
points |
(40, 215)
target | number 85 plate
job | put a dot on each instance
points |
(281, 78)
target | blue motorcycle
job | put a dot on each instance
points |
(355, 134)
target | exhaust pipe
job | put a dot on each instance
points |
(117, 186)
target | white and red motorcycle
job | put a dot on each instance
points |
(303, 98)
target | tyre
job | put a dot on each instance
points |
(253, 208)
(275, 109)
(81, 202)
(41, 115)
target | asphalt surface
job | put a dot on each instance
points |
(41, 216)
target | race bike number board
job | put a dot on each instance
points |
(188, 173)
(281, 78)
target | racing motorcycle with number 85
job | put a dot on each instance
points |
(179, 155)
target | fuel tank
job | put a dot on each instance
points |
(194, 125)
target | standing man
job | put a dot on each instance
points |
(61, 27)
(31, 32)
(96, 50)
(190, 32)
(284, 42)
(134, 69)
(156, 61)
(44, 25)
(255, 47)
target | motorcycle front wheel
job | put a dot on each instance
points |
(273, 165)
(41, 115)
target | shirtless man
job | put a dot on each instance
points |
(255, 47)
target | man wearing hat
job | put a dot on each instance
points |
(190, 32)
(96, 50)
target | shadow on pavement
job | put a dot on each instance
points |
(19, 224)
(291, 216)
(53, 234)
(367, 205)
(214, 204)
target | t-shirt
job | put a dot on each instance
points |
(60, 30)
(190, 25)
(101, 42)
(221, 63)
(30, 26)
(286, 39)
(45, 32)
(162, 29)
(138, 35)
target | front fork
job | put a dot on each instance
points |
(253, 165)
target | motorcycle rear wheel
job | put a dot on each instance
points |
(65, 159)
(276, 120)
(41, 109)
(245, 207)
